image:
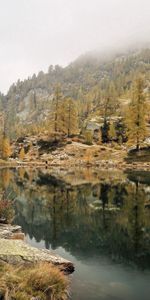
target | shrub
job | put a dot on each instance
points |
(6, 211)
(88, 138)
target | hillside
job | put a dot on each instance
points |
(87, 80)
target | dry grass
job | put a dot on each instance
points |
(40, 282)
(6, 211)
(18, 236)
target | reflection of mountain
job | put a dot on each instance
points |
(82, 221)
(93, 217)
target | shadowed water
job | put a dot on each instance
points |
(99, 220)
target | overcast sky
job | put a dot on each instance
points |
(37, 33)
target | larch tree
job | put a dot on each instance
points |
(57, 114)
(22, 154)
(136, 114)
(88, 137)
(109, 106)
(112, 132)
(70, 117)
(6, 149)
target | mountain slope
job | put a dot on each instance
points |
(29, 101)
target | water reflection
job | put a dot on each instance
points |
(91, 215)
(85, 219)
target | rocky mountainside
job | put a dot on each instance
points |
(29, 101)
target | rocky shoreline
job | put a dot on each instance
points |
(103, 164)
(14, 250)
(80, 155)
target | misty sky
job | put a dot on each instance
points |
(37, 33)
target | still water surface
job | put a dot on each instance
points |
(99, 220)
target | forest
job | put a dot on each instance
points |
(97, 99)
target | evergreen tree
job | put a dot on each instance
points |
(121, 131)
(105, 131)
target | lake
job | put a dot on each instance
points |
(98, 219)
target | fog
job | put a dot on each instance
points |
(37, 33)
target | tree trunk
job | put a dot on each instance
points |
(137, 144)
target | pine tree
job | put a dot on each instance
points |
(105, 131)
(121, 131)
(136, 115)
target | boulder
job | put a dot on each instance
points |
(18, 252)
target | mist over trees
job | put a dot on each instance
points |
(63, 101)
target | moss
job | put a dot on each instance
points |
(42, 281)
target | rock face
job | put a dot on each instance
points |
(15, 251)
(18, 252)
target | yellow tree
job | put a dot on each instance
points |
(112, 132)
(6, 149)
(22, 154)
(56, 114)
(88, 137)
(70, 117)
(136, 115)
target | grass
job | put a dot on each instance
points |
(42, 281)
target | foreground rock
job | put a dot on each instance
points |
(8, 231)
(14, 250)
(18, 252)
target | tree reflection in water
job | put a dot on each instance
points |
(98, 216)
